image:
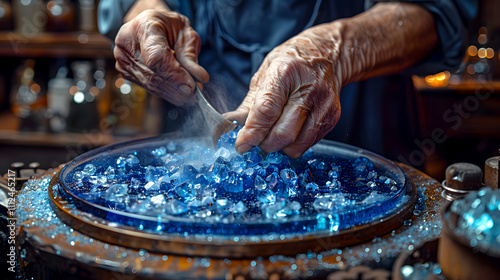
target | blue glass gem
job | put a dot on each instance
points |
(132, 161)
(312, 187)
(274, 157)
(289, 177)
(120, 162)
(117, 193)
(237, 163)
(98, 180)
(222, 152)
(175, 207)
(89, 169)
(253, 157)
(272, 180)
(260, 184)
(266, 196)
(158, 200)
(227, 140)
(110, 173)
(159, 152)
(185, 191)
(240, 207)
(234, 183)
(171, 147)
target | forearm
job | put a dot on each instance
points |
(142, 5)
(386, 39)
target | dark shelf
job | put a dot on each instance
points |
(67, 44)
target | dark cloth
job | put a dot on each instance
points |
(377, 114)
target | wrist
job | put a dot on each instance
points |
(334, 43)
(385, 39)
(142, 5)
(355, 53)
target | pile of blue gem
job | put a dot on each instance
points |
(186, 181)
(479, 218)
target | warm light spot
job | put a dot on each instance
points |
(119, 82)
(441, 76)
(471, 69)
(438, 80)
(472, 51)
(73, 90)
(490, 53)
(483, 30)
(94, 91)
(35, 88)
(482, 39)
(481, 53)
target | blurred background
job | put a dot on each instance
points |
(60, 95)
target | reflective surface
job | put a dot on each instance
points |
(162, 186)
(44, 239)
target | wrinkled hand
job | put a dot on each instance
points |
(159, 50)
(293, 99)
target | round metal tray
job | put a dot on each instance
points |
(265, 238)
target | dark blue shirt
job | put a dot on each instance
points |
(236, 35)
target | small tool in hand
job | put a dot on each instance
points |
(217, 124)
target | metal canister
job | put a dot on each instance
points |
(491, 172)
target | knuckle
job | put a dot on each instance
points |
(267, 109)
(153, 56)
(283, 138)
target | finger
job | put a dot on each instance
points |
(126, 40)
(187, 48)
(159, 57)
(286, 130)
(268, 104)
(315, 127)
(133, 69)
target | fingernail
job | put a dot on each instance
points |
(243, 148)
(185, 89)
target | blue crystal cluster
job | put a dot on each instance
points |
(189, 181)
(479, 218)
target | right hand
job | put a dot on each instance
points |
(159, 50)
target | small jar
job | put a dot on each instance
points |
(60, 15)
(88, 15)
(30, 17)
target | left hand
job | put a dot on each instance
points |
(293, 100)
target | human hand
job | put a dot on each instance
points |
(293, 99)
(159, 50)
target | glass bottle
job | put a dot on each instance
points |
(60, 15)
